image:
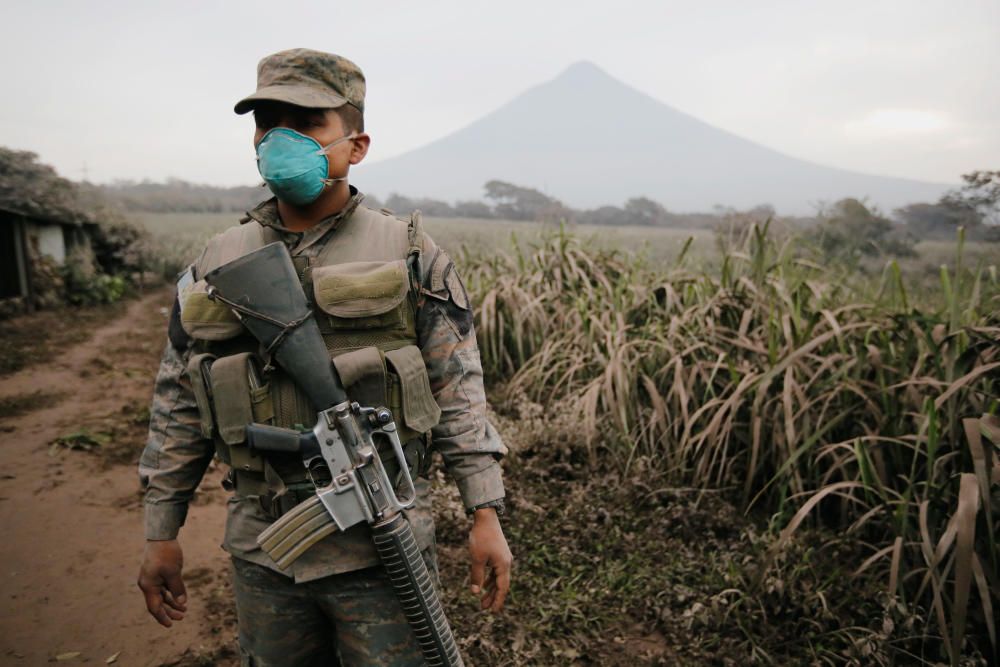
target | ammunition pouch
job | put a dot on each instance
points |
(204, 319)
(198, 369)
(396, 379)
(364, 304)
(230, 396)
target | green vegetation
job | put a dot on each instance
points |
(115, 438)
(807, 392)
(85, 284)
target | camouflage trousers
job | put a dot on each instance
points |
(352, 619)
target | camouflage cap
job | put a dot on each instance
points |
(307, 78)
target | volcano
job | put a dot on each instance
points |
(588, 139)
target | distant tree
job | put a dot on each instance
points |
(402, 205)
(981, 193)
(397, 203)
(435, 208)
(849, 230)
(603, 215)
(177, 196)
(975, 206)
(520, 203)
(645, 211)
(937, 221)
(121, 248)
(473, 209)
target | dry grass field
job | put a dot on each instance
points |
(182, 234)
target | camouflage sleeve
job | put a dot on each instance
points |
(176, 454)
(468, 442)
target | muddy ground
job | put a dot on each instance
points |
(608, 571)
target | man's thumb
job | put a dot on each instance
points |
(175, 584)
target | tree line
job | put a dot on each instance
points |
(975, 206)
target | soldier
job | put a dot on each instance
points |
(397, 320)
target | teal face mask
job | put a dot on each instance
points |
(294, 165)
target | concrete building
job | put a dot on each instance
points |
(24, 238)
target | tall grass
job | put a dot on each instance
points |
(810, 394)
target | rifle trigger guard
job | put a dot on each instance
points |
(380, 420)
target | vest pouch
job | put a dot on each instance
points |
(420, 412)
(199, 370)
(363, 374)
(363, 296)
(203, 318)
(234, 386)
(396, 379)
(291, 406)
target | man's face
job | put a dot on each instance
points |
(323, 125)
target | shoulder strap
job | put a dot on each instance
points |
(415, 233)
(415, 238)
(232, 243)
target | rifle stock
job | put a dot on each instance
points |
(265, 293)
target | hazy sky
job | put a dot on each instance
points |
(145, 89)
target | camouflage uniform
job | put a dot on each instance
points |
(286, 617)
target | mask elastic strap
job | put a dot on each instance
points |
(346, 137)
(322, 151)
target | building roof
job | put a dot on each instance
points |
(8, 212)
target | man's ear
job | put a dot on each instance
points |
(359, 147)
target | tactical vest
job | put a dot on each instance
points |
(363, 288)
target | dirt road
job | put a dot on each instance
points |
(71, 513)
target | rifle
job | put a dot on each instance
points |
(339, 453)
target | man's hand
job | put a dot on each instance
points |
(161, 582)
(488, 548)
